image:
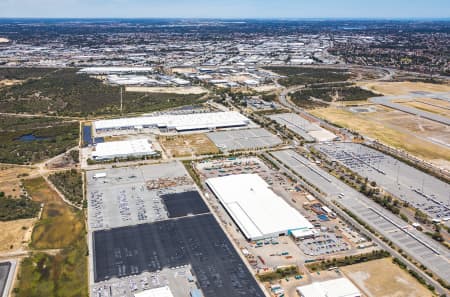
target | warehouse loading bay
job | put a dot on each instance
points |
(419, 246)
(149, 227)
(332, 238)
(421, 190)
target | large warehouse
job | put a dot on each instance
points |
(123, 149)
(255, 208)
(178, 122)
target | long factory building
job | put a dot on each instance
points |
(255, 208)
(178, 122)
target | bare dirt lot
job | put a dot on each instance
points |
(382, 278)
(420, 137)
(9, 82)
(171, 90)
(15, 234)
(402, 88)
(10, 177)
(188, 145)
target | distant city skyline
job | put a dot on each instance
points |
(381, 9)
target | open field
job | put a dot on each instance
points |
(396, 129)
(403, 88)
(187, 145)
(10, 179)
(14, 234)
(60, 225)
(172, 90)
(59, 273)
(382, 278)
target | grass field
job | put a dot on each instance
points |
(382, 278)
(402, 88)
(62, 273)
(60, 225)
(186, 145)
(392, 128)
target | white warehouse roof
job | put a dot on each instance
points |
(158, 292)
(117, 149)
(180, 122)
(258, 211)
(111, 70)
(340, 287)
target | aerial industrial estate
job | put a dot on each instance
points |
(149, 158)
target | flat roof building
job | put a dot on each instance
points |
(123, 149)
(340, 287)
(179, 122)
(158, 292)
(255, 208)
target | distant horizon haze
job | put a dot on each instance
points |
(231, 9)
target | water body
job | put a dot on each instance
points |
(31, 137)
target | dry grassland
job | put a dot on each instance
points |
(395, 129)
(187, 145)
(382, 278)
(402, 88)
(60, 225)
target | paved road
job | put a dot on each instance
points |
(388, 101)
(419, 246)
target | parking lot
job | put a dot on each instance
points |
(233, 140)
(421, 190)
(196, 240)
(132, 195)
(419, 246)
(296, 124)
(326, 243)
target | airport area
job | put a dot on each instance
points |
(421, 190)
(419, 246)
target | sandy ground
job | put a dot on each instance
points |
(382, 278)
(10, 179)
(171, 90)
(183, 70)
(265, 88)
(420, 137)
(9, 82)
(187, 145)
(14, 234)
(402, 88)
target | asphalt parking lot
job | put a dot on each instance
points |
(195, 240)
(132, 195)
(419, 246)
(232, 140)
(422, 190)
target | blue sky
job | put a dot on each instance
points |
(227, 8)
